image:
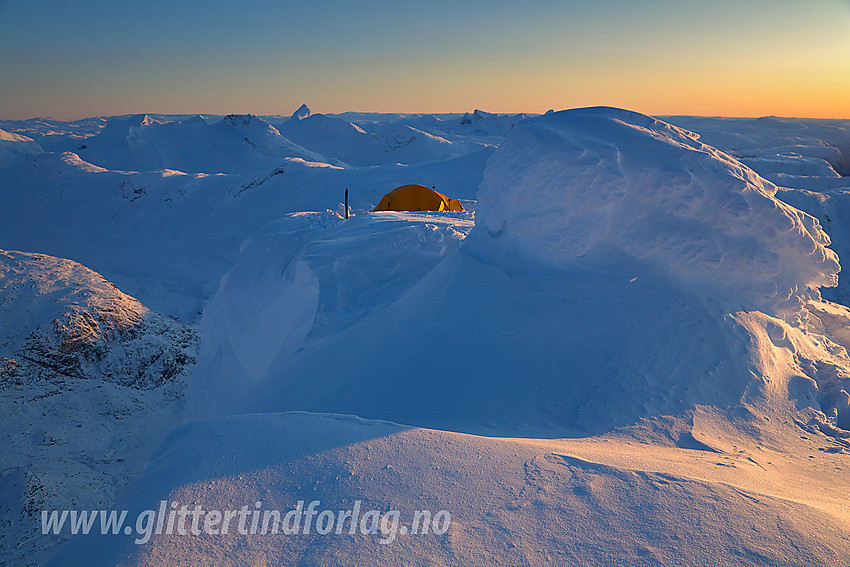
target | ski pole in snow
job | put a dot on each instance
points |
(346, 202)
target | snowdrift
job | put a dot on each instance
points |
(832, 208)
(308, 277)
(574, 186)
(511, 502)
(600, 286)
(622, 358)
(475, 348)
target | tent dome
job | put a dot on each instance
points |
(417, 198)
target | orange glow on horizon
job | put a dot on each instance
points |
(776, 57)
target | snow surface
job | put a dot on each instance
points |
(234, 143)
(167, 238)
(513, 501)
(90, 379)
(599, 308)
(15, 148)
(353, 145)
(779, 146)
(619, 356)
(574, 185)
(310, 277)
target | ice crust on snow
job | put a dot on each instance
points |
(568, 185)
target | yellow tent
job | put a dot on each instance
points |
(417, 198)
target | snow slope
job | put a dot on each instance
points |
(633, 282)
(651, 191)
(506, 349)
(310, 277)
(693, 406)
(512, 501)
(90, 380)
(15, 148)
(620, 357)
(55, 135)
(168, 236)
(353, 145)
(790, 152)
(235, 143)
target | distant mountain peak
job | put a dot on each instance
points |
(301, 113)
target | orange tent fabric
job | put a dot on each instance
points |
(417, 198)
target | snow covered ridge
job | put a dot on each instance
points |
(61, 319)
(706, 432)
(232, 144)
(240, 142)
(395, 143)
(761, 140)
(626, 328)
(569, 187)
(15, 148)
(90, 381)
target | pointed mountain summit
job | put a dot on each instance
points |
(301, 113)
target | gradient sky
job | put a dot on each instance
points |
(78, 58)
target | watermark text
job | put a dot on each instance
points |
(183, 519)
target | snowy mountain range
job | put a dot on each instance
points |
(632, 350)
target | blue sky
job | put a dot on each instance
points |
(73, 59)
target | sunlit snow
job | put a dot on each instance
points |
(631, 350)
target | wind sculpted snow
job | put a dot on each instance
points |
(572, 186)
(619, 356)
(512, 502)
(601, 285)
